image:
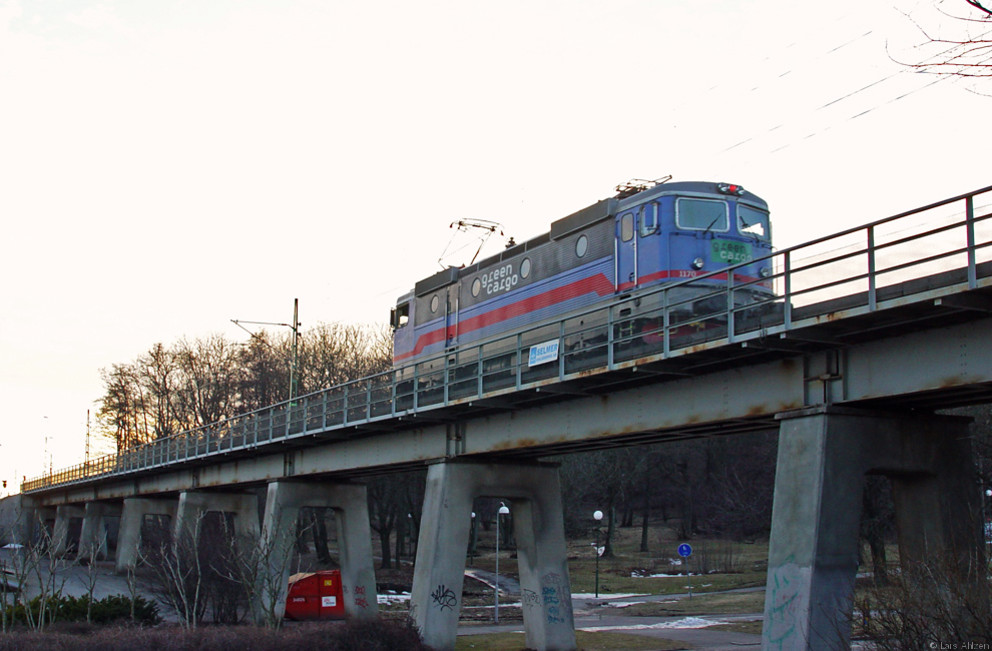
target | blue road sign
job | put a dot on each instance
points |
(685, 550)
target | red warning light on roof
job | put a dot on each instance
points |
(730, 188)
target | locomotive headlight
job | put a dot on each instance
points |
(697, 264)
(765, 272)
(731, 188)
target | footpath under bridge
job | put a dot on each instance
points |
(870, 330)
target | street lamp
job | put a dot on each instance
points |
(987, 526)
(598, 517)
(503, 510)
(472, 541)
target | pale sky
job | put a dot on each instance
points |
(166, 166)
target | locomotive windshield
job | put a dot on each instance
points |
(754, 222)
(702, 214)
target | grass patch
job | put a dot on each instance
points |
(586, 641)
(752, 627)
(621, 581)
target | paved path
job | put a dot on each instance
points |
(693, 631)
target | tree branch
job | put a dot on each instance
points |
(978, 5)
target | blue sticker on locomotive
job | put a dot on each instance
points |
(728, 252)
(543, 353)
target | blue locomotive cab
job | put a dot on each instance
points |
(680, 231)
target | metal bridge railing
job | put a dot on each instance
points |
(913, 256)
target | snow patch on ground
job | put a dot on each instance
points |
(391, 597)
(685, 622)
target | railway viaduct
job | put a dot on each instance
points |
(874, 330)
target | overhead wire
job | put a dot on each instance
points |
(751, 140)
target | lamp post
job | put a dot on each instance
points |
(471, 542)
(503, 510)
(986, 525)
(598, 517)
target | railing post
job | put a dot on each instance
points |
(730, 306)
(969, 210)
(666, 325)
(787, 290)
(392, 393)
(306, 414)
(368, 400)
(446, 387)
(479, 372)
(323, 409)
(609, 335)
(416, 386)
(344, 406)
(520, 360)
(872, 284)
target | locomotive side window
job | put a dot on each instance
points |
(754, 222)
(702, 215)
(525, 268)
(649, 219)
(627, 227)
(435, 302)
(581, 245)
(476, 286)
(400, 316)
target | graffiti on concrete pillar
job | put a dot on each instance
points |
(529, 598)
(360, 599)
(557, 604)
(444, 597)
(780, 620)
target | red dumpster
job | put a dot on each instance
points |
(315, 595)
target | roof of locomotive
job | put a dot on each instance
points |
(589, 215)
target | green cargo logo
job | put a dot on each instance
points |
(730, 252)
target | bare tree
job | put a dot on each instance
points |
(334, 353)
(177, 570)
(258, 565)
(965, 53)
(384, 511)
(200, 381)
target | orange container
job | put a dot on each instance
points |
(315, 595)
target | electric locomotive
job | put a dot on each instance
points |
(649, 234)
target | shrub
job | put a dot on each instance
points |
(351, 635)
(73, 609)
(930, 605)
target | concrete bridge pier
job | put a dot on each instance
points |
(823, 456)
(132, 517)
(93, 536)
(37, 525)
(193, 505)
(535, 500)
(282, 508)
(64, 514)
(26, 517)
